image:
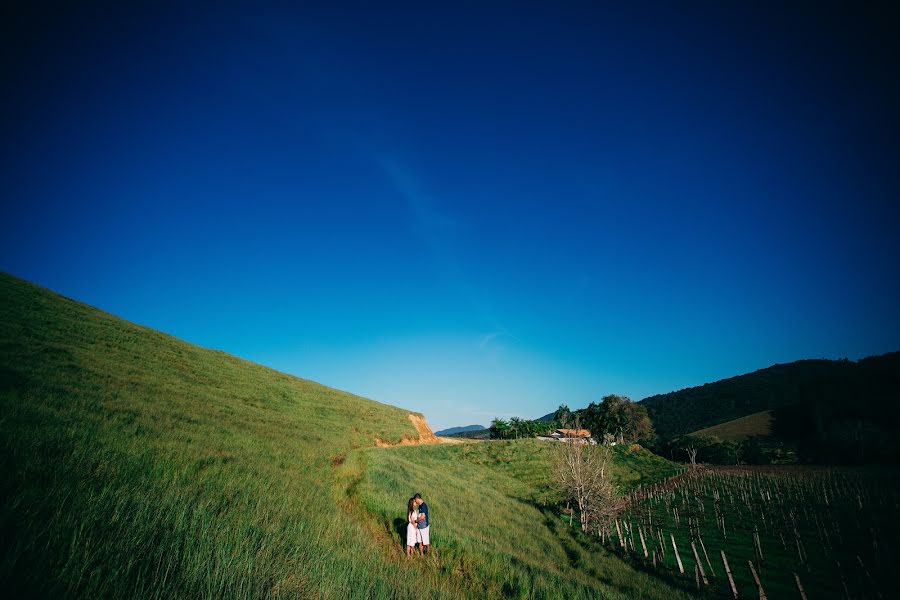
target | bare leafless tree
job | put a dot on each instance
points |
(581, 473)
(692, 454)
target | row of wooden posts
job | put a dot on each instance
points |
(750, 493)
(699, 570)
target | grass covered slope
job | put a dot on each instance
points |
(737, 430)
(135, 464)
(492, 524)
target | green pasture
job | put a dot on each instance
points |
(496, 527)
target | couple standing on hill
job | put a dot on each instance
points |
(417, 525)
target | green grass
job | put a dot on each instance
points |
(740, 429)
(133, 464)
(838, 514)
(528, 460)
(494, 523)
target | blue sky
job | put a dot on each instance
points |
(466, 210)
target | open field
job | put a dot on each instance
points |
(740, 429)
(835, 529)
(495, 524)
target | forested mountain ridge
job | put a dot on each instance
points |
(821, 398)
(462, 429)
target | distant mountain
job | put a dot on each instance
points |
(872, 384)
(455, 430)
(833, 411)
(475, 434)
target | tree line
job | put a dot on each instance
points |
(754, 450)
(516, 428)
(614, 419)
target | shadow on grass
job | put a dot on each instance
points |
(400, 529)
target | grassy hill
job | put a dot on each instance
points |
(133, 464)
(740, 429)
(871, 384)
(489, 505)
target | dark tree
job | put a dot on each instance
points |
(499, 429)
(563, 415)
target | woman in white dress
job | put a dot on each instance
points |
(412, 527)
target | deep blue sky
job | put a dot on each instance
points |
(464, 210)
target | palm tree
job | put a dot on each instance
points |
(527, 428)
(515, 426)
(499, 429)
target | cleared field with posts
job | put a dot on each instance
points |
(793, 531)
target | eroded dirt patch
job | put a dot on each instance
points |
(426, 436)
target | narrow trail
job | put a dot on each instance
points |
(349, 473)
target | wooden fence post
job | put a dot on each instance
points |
(800, 587)
(677, 556)
(728, 572)
(762, 592)
(758, 545)
(702, 545)
(869, 575)
(699, 564)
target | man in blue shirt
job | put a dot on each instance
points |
(423, 533)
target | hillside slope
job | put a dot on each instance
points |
(872, 380)
(495, 521)
(136, 464)
(736, 430)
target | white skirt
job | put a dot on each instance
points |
(412, 535)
